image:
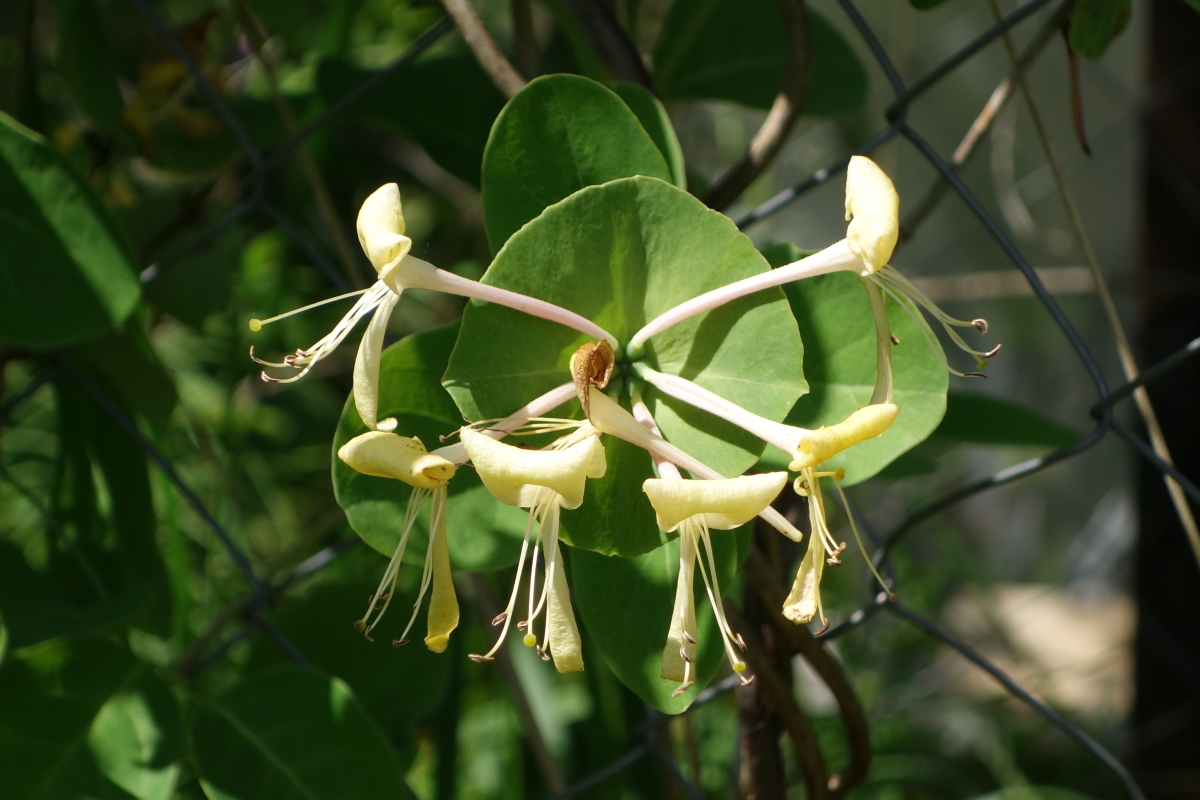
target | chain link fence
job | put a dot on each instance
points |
(251, 610)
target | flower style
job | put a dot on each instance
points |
(872, 209)
(694, 507)
(389, 455)
(381, 233)
(545, 482)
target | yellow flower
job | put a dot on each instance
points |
(694, 507)
(388, 455)
(545, 482)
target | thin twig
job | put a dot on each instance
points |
(486, 51)
(487, 608)
(858, 733)
(766, 144)
(797, 724)
(316, 182)
(1124, 350)
(998, 99)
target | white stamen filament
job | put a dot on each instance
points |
(858, 540)
(512, 598)
(711, 586)
(641, 413)
(387, 585)
(883, 345)
(457, 453)
(835, 258)
(436, 512)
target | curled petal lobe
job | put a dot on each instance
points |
(803, 603)
(562, 633)
(818, 446)
(381, 229)
(443, 604)
(389, 455)
(366, 366)
(873, 208)
(723, 504)
(515, 476)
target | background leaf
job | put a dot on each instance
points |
(85, 62)
(287, 733)
(734, 50)
(982, 419)
(66, 273)
(620, 254)
(482, 533)
(1095, 23)
(415, 101)
(626, 603)
(557, 135)
(84, 718)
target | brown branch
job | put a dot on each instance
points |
(618, 52)
(983, 122)
(766, 144)
(1124, 349)
(486, 609)
(797, 724)
(486, 51)
(524, 41)
(858, 733)
(341, 244)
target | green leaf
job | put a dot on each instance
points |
(291, 734)
(734, 50)
(1194, 4)
(66, 273)
(839, 362)
(396, 685)
(626, 603)
(86, 64)
(620, 254)
(981, 419)
(482, 533)
(126, 361)
(556, 136)
(196, 285)
(84, 718)
(1095, 23)
(1034, 793)
(654, 118)
(415, 102)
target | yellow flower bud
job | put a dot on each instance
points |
(818, 446)
(873, 208)
(381, 230)
(389, 455)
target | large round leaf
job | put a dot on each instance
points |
(626, 604)
(482, 533)
(839, 362)
(620, 254)
(66, 274)
(557, 135)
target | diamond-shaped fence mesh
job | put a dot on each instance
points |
(251, 610)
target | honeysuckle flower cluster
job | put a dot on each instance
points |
(545, 481)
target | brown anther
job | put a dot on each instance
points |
(895, 340)
(980, 325)
(993, 351)
(683, 688)
(592, 365)
(683, 654)
(974, 375)
(267, 378)
(399, 642)
(824, 628)
(691, 639)
(523, 625)
(833, 561)
(746, 679)
(542, 654)
(737, 637)
(367, 635)
(496, 620)
(478, 659)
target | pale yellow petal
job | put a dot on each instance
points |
(443, 604)
(803, 603)
(562, 634)
(820, 445)
(873, 208)
(723, 504)
(366, 365)
(388, 455)
(381, 229)
(515, 476)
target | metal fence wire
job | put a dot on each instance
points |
(252, 608)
